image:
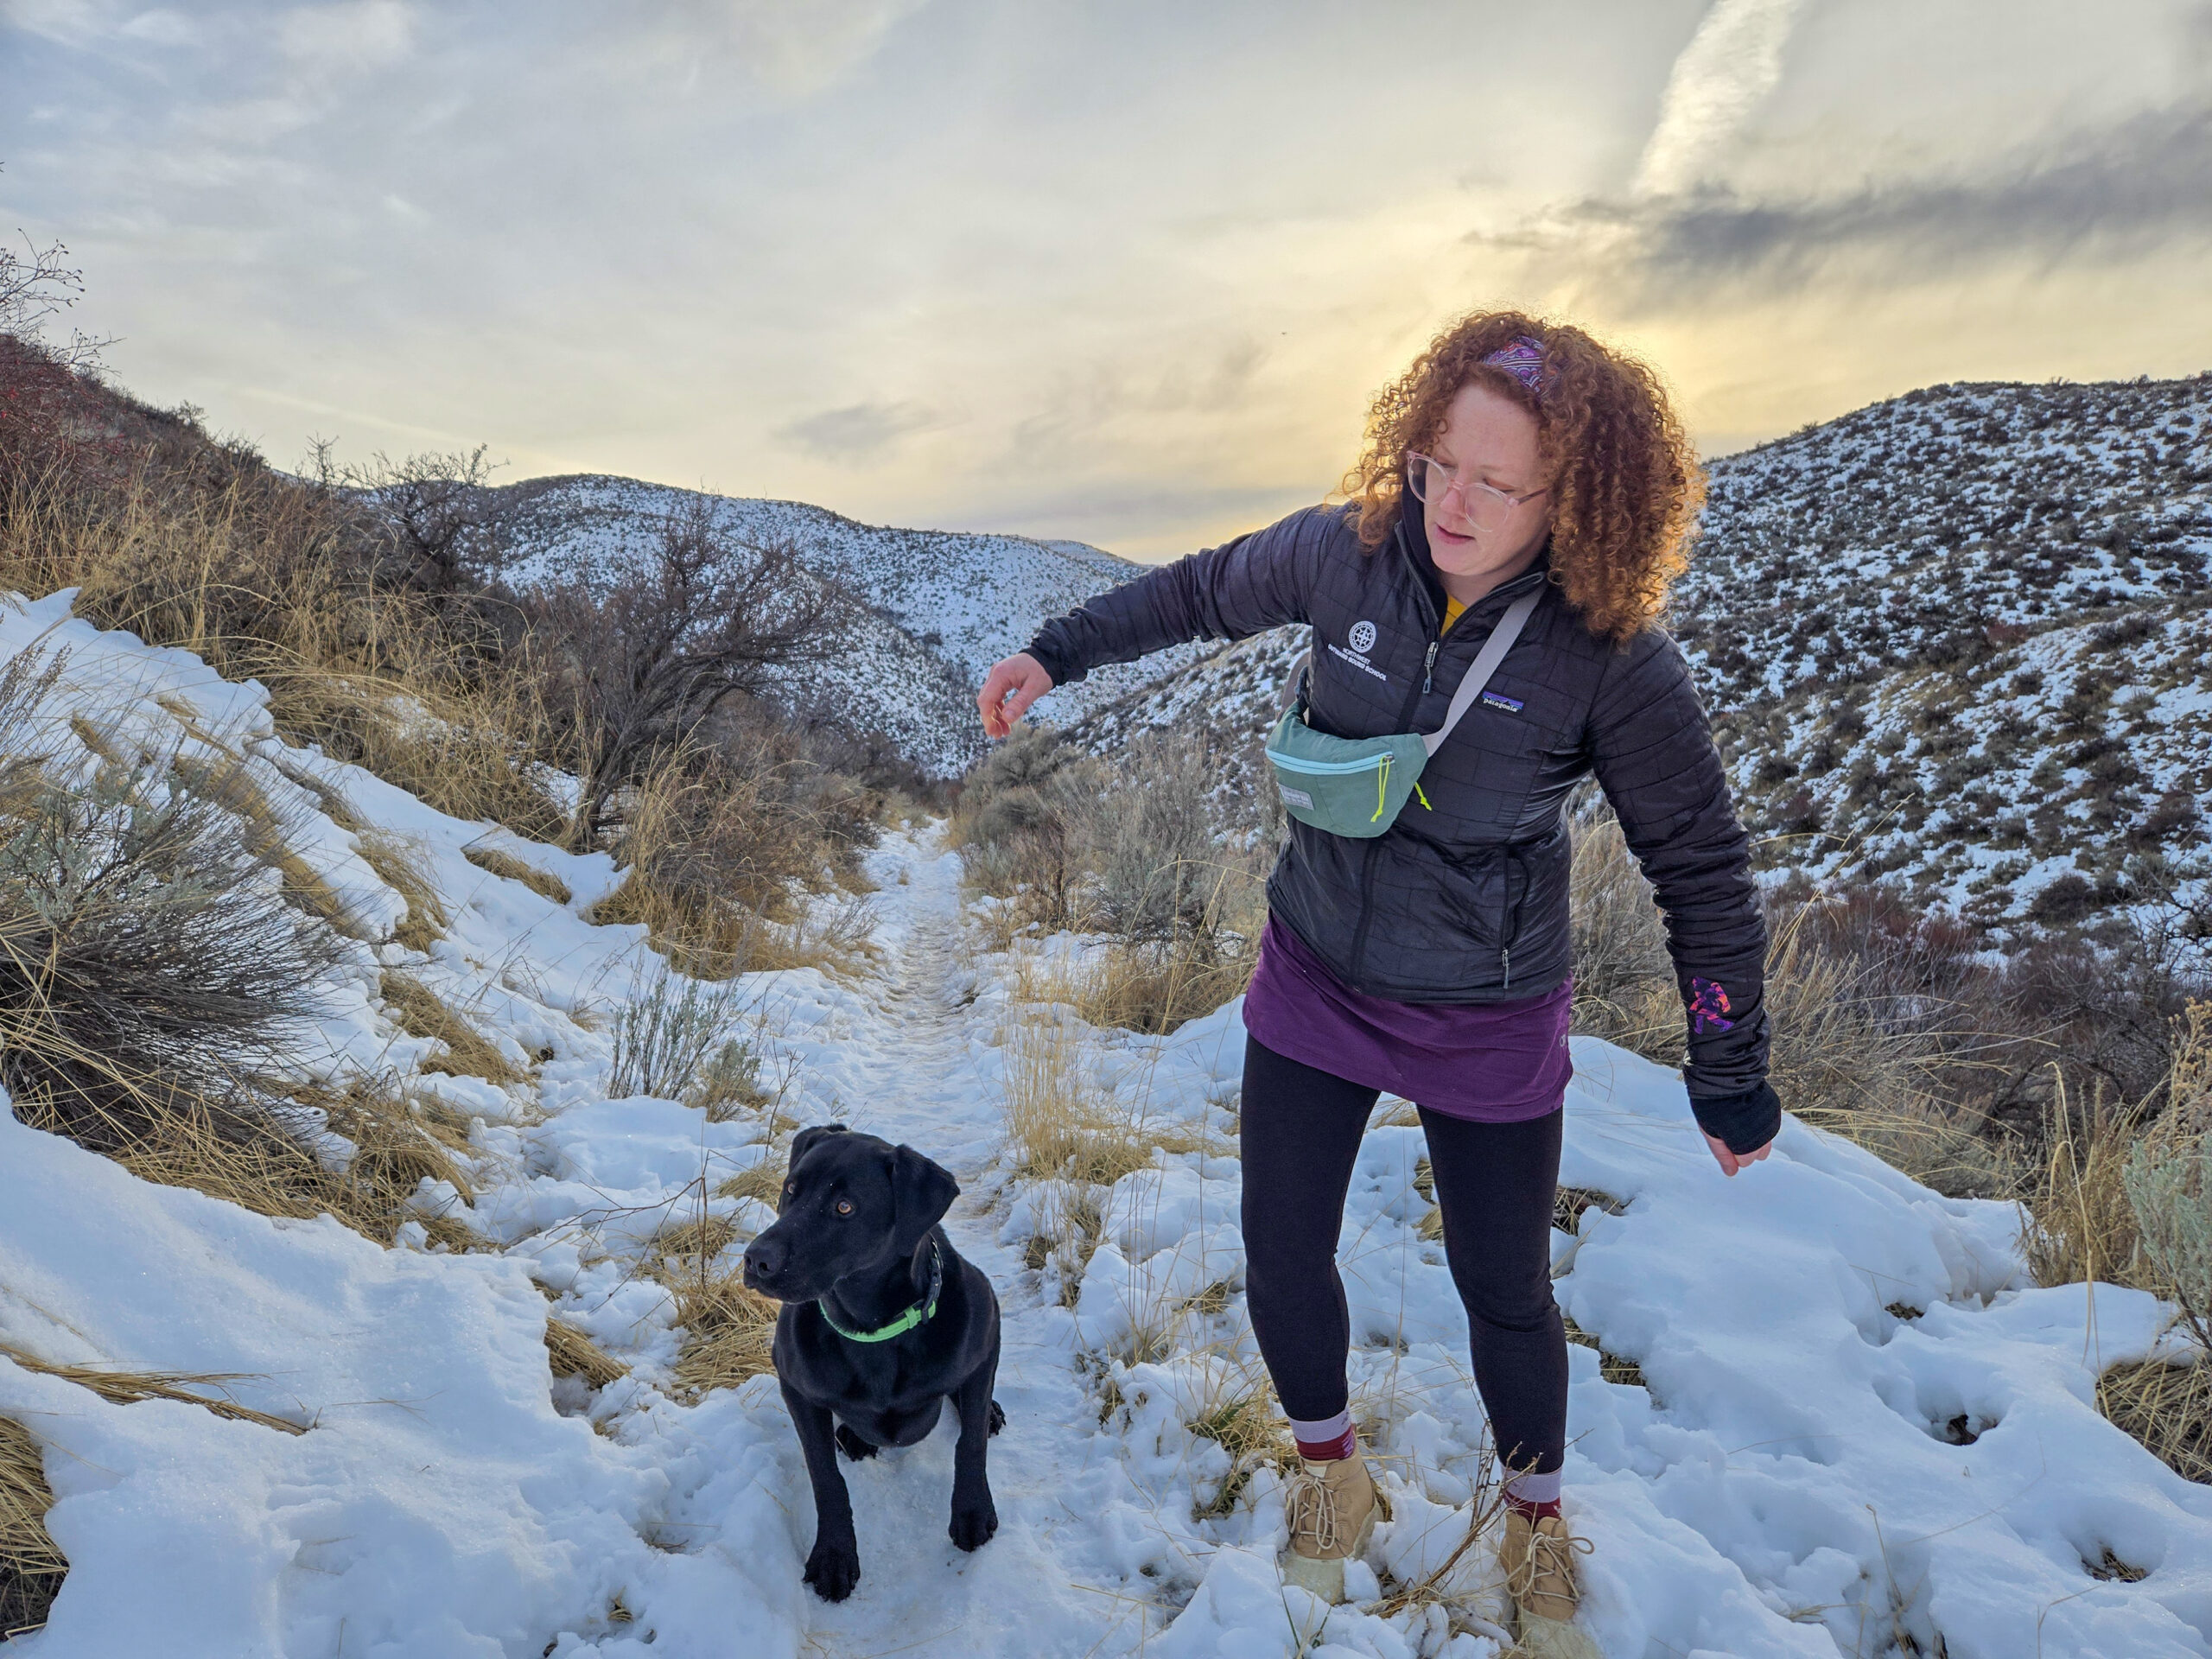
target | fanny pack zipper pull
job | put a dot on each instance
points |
(1505, 956)
(1428, 668)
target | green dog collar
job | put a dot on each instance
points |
(916, 1314)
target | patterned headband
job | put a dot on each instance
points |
(1524, 359)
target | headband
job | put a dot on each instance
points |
(1524, 359)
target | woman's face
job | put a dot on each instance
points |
(1487, 439)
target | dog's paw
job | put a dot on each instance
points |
(852, 1445)
(973, 1527)
(833, 1569)
(998, 1416)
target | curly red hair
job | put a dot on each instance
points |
(1626, 485)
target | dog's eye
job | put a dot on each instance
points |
(844, 1206)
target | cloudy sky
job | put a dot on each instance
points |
(1126, 270)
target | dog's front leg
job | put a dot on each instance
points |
(833, 1568)
(975, 1517)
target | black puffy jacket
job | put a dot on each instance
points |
(1466, 900)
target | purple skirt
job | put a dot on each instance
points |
(1490, 1062)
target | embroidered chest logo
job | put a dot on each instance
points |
(1361, 639)
(1498, 700)
(1709, 1005)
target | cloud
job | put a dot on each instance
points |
(857, 432)
(68, 21)
(799, 49)
(355, 35)
(2144, 182)
(1724, 74)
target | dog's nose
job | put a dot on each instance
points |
(764, 1259)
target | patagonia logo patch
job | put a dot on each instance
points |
(1498, 700)
(1294, 797)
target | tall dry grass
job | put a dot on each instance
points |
(269, 579)
(32, 1565)
(721, 861)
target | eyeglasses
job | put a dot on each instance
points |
(1487, 506)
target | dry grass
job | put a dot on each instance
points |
(2168, 1407)
(398, 1146)
(569, 1353)
(1245, 1420)
(128, 1388)
(1611, 1366)
(1152, 987)
(764, 1181)
(267, 578)
(2083, 1228)
(31, 1565)
(398, 860)
(728, 1333)
(1061, 1125)
(543, 883)
(463, 1051)
(719, 858)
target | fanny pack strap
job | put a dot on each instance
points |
(1485, 664)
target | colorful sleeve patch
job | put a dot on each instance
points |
(1709, 1007)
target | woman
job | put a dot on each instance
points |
(1514, 457)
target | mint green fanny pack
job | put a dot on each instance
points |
(1357, 785)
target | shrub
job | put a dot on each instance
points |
(148, 959)
(681, 1042)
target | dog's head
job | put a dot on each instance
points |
(850, 1202)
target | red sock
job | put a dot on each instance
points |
(1344, 1445)
(1533, 1512)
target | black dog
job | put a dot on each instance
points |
(881, 1321)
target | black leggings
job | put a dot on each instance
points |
(1495, 1183)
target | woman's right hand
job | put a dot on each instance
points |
(1011, 685)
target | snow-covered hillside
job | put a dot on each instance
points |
(1962, 638)
(944, 606)
(1819, 1410)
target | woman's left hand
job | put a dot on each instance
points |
(1729, 1162)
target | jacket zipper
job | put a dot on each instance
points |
(1370, 849)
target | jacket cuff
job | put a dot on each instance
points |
(1741, 1123)
(1053, 660)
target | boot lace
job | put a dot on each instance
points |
(1313, 1510)
(1551, 1555)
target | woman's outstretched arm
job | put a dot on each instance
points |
(1231, 592)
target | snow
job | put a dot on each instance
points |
(1814, 1337)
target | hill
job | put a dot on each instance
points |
(942, 606)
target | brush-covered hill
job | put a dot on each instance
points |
(940, 606)
(1960, 639)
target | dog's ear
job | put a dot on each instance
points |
(807, 1139)
(921, 1192)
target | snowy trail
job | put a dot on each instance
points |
(914, 1080)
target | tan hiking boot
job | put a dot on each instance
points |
(1539, 1563)
(1332, 1508)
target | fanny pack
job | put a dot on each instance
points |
(1356, 786)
